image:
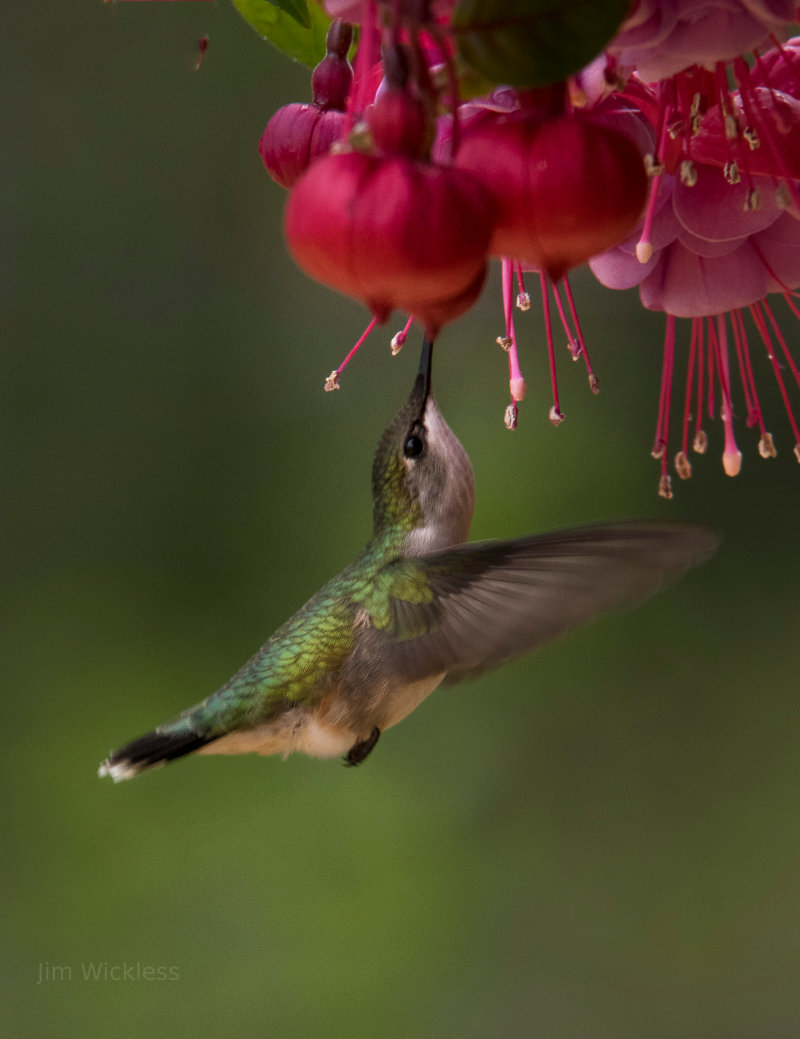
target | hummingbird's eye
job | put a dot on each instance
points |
(413, 446)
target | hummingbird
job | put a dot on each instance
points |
(420, 606)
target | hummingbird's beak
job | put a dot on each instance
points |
(425, 363)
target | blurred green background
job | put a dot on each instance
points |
(602, 840)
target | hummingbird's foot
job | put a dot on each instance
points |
(360, 751)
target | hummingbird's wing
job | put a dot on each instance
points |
(466, 609)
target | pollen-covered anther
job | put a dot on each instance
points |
(683, 467)
(675, 128)
(658, 449)
(783, 197)
(700, 442)
(523, 301)
(766, 446)
(594, 383)
(665, 486)
(732, 462)
(360, 138)
(752, 201)
(555, 415)
(506, 342)
(688, 173)
(332, 382)
(796, 450)
(750, 134)
(511, 415)
(652, 165)
(730, 172)
(731, 127)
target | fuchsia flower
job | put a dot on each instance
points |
(400, 191)
(662, 37)
(721, 233)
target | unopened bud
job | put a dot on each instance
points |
(700, 442)
(683, 467)
(766, 446)
(332, 382)
(396, 345)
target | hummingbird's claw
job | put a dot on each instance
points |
(360, 751)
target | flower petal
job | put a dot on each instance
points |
(688, 285)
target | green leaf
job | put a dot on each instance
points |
(533, 43)
(293, 26)
(297, 9)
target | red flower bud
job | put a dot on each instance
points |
(296, 136)
(393, 233)
(332, 79)
(566, 188)
(399, 123)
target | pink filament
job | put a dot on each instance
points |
(665, 394)
(357, 346)
(698, 324)
(579, 334)
(719, 343)
(551, 354)
(758, 318)
(515, 380)
(687, 402)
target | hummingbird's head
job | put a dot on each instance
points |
(422, 478)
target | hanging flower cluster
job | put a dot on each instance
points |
(648, 145)
(721, 232)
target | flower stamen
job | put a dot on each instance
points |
(399, 338)
(332, 382)
(556, 415)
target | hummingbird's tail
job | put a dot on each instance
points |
(153, 749)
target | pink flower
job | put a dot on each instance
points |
(662, 37)
(710, 252)
(720, 234)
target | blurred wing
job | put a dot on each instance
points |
(492, 601)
